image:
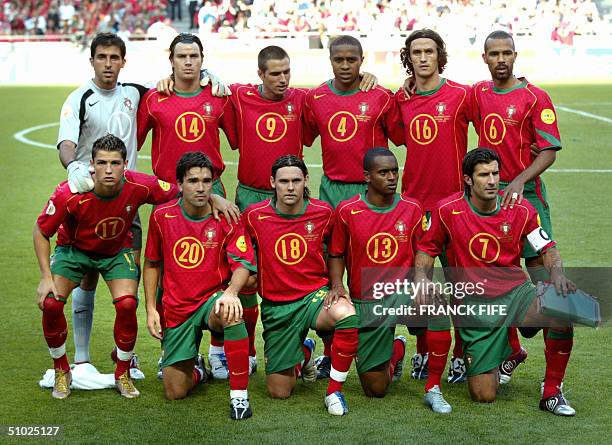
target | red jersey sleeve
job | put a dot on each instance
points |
(434, 235)
(229, 123)
(144, 119)
(309, 124)
(158, 191)
(339, 237)
(474, 110)
(544, 122)
(239, 248)
(56, 210)
(153, 251)
(393, 119)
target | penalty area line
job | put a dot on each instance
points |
(22, 136)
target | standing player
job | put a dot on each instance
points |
(101, 106)
(289, 231)
(433, 124)
(484, 241)
(187, 120)
(375, 237)
(206, 263)
(94, 235)
(349, 121)
(511, 115)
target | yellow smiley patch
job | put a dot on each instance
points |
(548, 116)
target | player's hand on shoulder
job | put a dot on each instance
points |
(409, 87)
(218, 88)
(45, 287)
(79, 177)
(513, 194)
(220, 205)
(154, 324)
(165, 86)
(368, 82)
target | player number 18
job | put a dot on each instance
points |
(294, 249)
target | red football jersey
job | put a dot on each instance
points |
(476, 241)
(434, 127)
(199, 257)
(378, 244)
(289, 249)
(509, 121)
(266, 130)
(349, 124)
(97, 225)
(183, 123)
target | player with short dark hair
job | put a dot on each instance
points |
(513, 116)
(206, 263)
(433, 124)
(289, 231)
(484, 241)
(374, 237)
(93, 235)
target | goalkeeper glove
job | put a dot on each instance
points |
(218, 88)
(79, 177)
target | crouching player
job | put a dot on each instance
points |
(93, 235)
(485, 240)
(290, 230)
(206, 262)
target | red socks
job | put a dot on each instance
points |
(421, 342)
(344, 348)
(237, 353)
(298, 367)
(399, 350)
(327, 344)
(55, 330)
(458, 349)
(439, 343)
(557, 351)
(125, 330)
(513, 339)
(250, 315)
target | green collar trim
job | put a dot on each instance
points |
(434, 91)
(188, 94)
(191, 218)
(330, 84)
(110, 198)
(479, 213)
(376, 209)
(523, 84)
(284, 215)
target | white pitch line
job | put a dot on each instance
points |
(21, 136)
(585, 114)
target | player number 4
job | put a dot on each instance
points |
(342, 126)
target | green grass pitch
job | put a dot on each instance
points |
(582, 228)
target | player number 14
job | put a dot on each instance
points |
(193, 127)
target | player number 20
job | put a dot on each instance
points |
(294, 249)
(190, 253)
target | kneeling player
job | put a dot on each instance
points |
(375, 235)
(200, 256)
(289, 231)
(93, 235)
(485, 240)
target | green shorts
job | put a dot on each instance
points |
(485, 347)
(285, 326)
(218, 188)
(182, 342)
(541, 205)
(72, 263)
(375, 342)
(245, 196)
(334, 192)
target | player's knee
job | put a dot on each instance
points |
(279, 391)
(482, 394)
(342, 310)
(126, 305)
(53, 307)
(376, 390)
(174, 392)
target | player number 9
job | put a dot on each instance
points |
(270, 126)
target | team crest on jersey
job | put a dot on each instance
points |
(310, 227)
(210, 234)
(505, 228)
(510, 111)
(50, 208)
(401, 228)
(363, 108)
(440, 108)
(127, 103)
(290, 108)
(128, 208)
(208, 108)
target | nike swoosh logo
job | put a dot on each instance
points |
(93, 103)
(437, 355)
(80, 312)
(564, 353)
(161, 99)
(354, 212)
(168, 215)
(250, 93)
(260, 217)
(318, 96)
(345, 355)
(484, 89)
(457, 212)
(239, 373)
(83, 201)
